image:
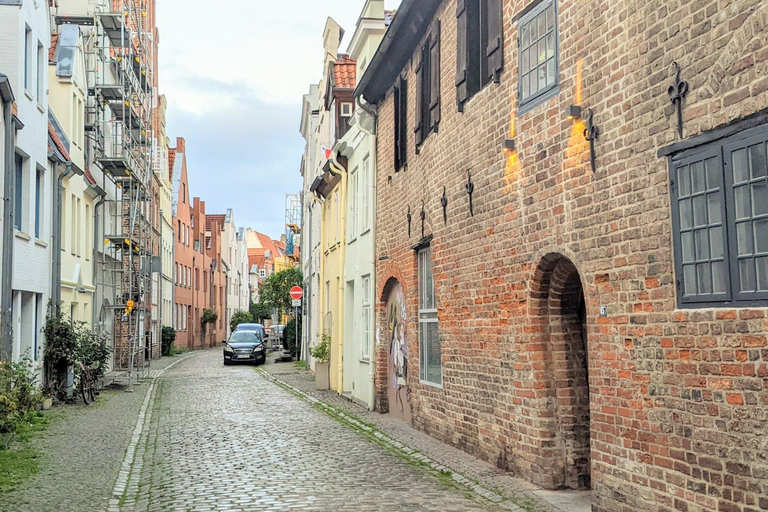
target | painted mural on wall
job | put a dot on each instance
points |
(398, 390)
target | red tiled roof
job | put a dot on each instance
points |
(52, 49)
(345, 72)
(171, 158)
(89, 176)
(214, 218)
(56, 140)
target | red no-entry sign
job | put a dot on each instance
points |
(296, 293)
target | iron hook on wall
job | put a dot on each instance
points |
(677, 92)
(470, 187)
(423, 216)
(591, 133)
(444, 202)
(409, 217)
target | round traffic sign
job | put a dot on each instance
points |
(296, 292)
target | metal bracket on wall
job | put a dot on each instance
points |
(423, 216)
(591, 133)
(677, 92)
(409, 217)
(444, 202)
(470, 187)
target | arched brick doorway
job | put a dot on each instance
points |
(558, 304)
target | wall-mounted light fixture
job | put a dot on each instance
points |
(573, 112)
(508, 147)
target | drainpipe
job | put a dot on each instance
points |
(56, 235)
(96, 308)
(339, 169)
(6, 279)
(373, 112)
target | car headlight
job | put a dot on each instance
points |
(258, 348)
(229, 349)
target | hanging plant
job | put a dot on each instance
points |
(209, 317)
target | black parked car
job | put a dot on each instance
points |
(245, 347)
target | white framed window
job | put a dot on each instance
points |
(262, 273)
(430, 357)
(38, 202)
(366, 194)
(352, 195)
(27, 57)
(40, 73)
(346, 110)
(366, 348)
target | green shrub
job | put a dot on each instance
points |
(91, 351)
(167, 337)
(291, 342)
(240, 317)
(18, 396)
(322, 351)
(59, 353)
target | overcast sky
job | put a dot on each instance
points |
(234, 72)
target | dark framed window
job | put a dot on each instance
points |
(480, 49)
(538, 68)
(401, 124)
(18, 206)
(720, 221)
(428, 82)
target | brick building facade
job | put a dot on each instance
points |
(579, 326)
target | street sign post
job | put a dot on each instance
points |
(296, 294)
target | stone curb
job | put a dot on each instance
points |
(127, 467)
(399, 448)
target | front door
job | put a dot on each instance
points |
(398, 392)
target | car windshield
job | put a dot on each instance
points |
(244, 337)
(247, 327)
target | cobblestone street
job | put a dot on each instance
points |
(225, 438)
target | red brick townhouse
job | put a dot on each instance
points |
(573, 281)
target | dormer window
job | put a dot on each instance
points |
(346, 110)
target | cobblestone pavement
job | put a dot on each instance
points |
(80, 454)
(501, 482)
(225, 438)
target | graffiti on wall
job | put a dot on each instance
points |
(398, 350)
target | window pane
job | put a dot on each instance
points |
(684, 180)
(689, 279)
(704, 276)
(526, 91)
(434, 362)
(762, 273)
(534, 31)
(686, 215)
(550, 71)
(718, 277)
(761, 235)
(550, 45)
(525, 35)
(542, 24)
(524, 61)
(422, 352)
(698, 178)
(747, 275)
(700, 210)
(534, 82)
(715, 208)
(713, 173)
(760, 198)
(686, 240)
(741, 198)
(744, 238)
(542, 76)
(757, 160)
(550, 17)
(702, 245)
(740, 166)
(716, 242)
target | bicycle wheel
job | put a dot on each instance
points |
(85, 390)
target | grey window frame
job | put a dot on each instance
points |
(721, 149)
(18, 206)
(524, 105)
(427, 316)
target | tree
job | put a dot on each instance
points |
(260, 311)
(168, 336)
(240, 317)
(274, 293)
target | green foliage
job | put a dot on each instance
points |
(91, 352)
(322, 351)
(60, 344)
(274, 293)
(260, 311)
(18, 396)
(209, 317)
(167, 337)
(21, 462)
(240, 317)
(291, 342)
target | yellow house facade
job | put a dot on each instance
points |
(78, 191)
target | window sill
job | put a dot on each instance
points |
(367, 230)
(532, 104)
(430, 384)
(40, 108)
(41, 243)
(29, 95)
(22, 235)
(352, 241)
(365, 361)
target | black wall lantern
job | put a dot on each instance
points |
(508, 147)
(591, 132)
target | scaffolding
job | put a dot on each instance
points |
(292, 226)
(119, 122)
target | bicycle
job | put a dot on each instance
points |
(86, 384)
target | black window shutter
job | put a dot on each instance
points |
(403, 121)
(434, 78)
(398, 129)
(495, 49)
(462, 93)
(419, 70)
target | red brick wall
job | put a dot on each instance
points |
(679, 404)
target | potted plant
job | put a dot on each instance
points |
(321, 353)
(47, 400)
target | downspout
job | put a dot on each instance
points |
(373, 112)
(56, 236)
(96, 308)
(341, 299)
(6, 279)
